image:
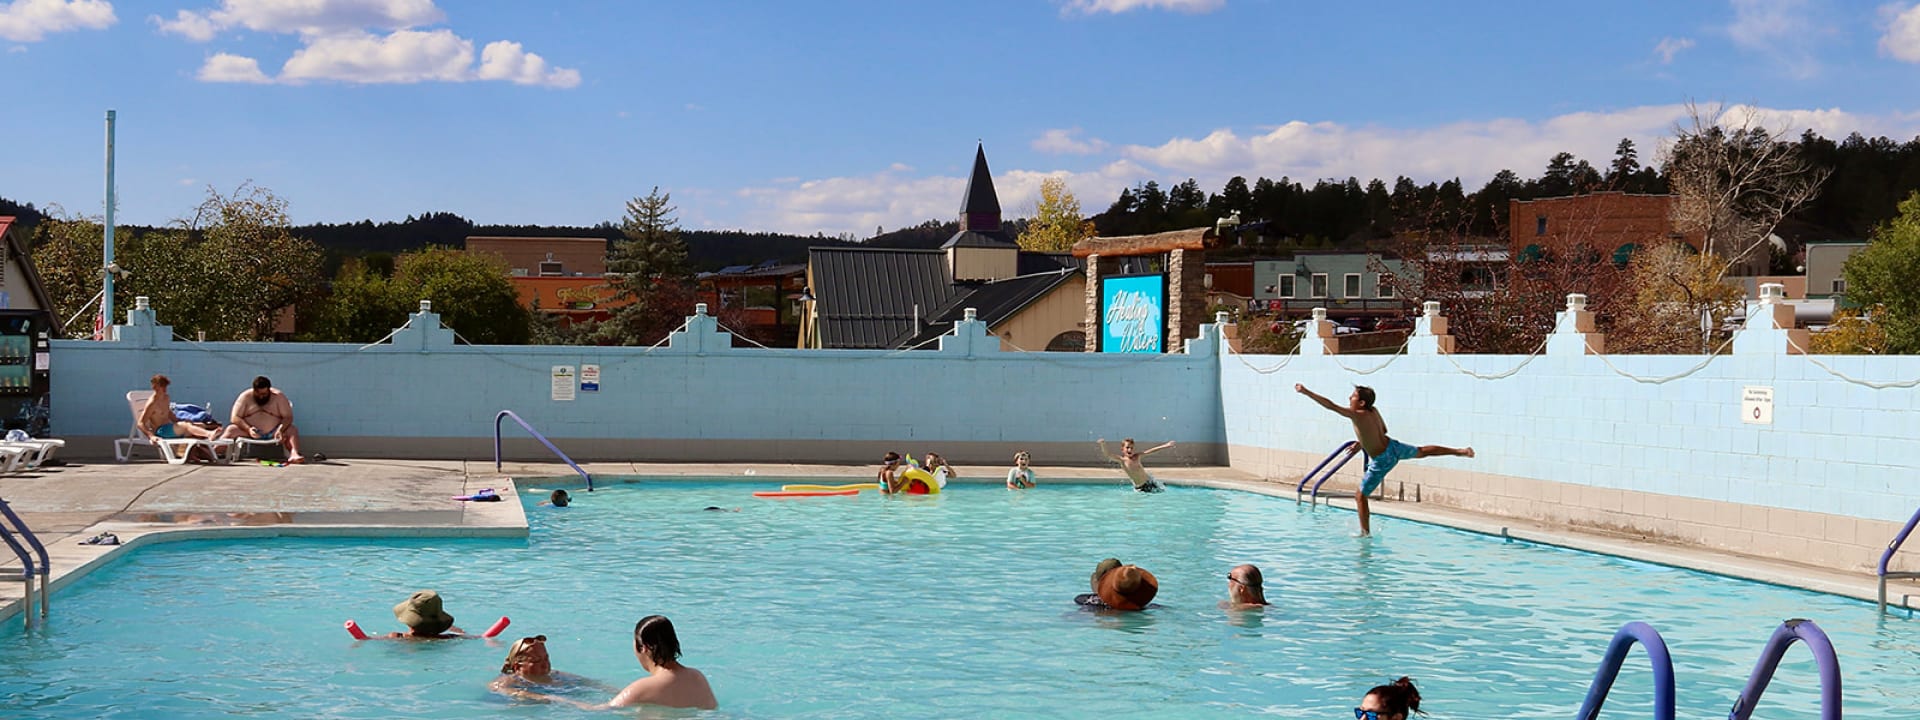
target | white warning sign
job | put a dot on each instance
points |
(1756, 405)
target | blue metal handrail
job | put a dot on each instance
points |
(537, 436)
(1816, 640)
(26, 559)
(1344, 447)
(1887, 557)
(1336, 468)
(1649, 638)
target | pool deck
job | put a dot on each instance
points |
(148, 502)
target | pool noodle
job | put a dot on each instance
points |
(498, 626)
(814, 493)
(353, 628)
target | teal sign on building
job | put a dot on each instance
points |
(1133, 317)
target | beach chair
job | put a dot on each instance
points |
(173, 450)
(34, 451)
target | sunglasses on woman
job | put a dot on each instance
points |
(1359, 714)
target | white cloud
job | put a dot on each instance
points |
(224, 67)
(1902, 40)
(362, 41)
(1305, 151)
(1090, 7)
(1671, 46)
(304, 17)
(31, 20)
(406, 56)
(17, 49)
(1063, 141)
(505, 60)
(1782, 29)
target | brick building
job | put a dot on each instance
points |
(1614, 224)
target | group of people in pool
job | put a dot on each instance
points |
(1121, 587)
(892, 477)
(528, 670)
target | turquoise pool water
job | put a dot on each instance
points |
(952, 606)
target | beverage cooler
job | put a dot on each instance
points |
(26, 359)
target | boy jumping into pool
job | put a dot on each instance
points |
(1382, 452)
(1129, 460)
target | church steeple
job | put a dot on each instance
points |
(980, 209)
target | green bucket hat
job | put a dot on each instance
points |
(422, 613)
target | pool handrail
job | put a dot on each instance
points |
(1816, 640)
(1887, 557)
(1336, 468)
(1302, 487)
(537, 436)
(1623, 640)
(26, 560)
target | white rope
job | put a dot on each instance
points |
(1396, 356)
(1650, 380)
(1502, 375)
(1898, 384)
(1268, 371)
(737, 334)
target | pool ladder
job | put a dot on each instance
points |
(537, 436)
(13, 530)
(1803, 631)
(1887, 557)
(1344, 453)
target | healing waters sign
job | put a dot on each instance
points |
(1133, 316)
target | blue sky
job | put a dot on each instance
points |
(837, 117)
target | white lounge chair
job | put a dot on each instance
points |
(173, 450)
(14, 459)
(36, 451)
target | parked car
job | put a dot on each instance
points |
(1303, 325)
(1393, 323)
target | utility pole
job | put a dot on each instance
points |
(106, 251)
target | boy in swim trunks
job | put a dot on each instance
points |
(159, 423)
(1382, 452)
(1129, 460)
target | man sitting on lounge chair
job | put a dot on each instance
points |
(158, 421)
(264, 413)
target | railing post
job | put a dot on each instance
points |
(1828, 662)
(1623, 640)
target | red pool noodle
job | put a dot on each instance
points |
(498, 627)
(353, 628)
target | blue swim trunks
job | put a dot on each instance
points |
(1378, 465)
(165, 432)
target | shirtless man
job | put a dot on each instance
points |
(667, 684)
(1382, 452)
(1130, 460)
(158, 422)
(263, 412)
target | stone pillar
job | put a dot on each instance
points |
(1093, 303)
(1770, 326)
(1430, 332)
(1574, 332)
(1186, 296)
(1319, 338)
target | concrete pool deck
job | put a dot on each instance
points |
(146, 502)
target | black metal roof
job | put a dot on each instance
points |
(975, 238)
(865, 297)
(993, 303)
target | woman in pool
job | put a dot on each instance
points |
(527, 664)
(1390, 702)
(425, 619)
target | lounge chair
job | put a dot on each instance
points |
(35, 451)
(173, 450)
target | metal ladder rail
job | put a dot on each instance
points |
(26, 562)
(1623, 640)
(537, 436)
(1336, 468)
(1816, 640)
(1887, 557)
(1302, 487)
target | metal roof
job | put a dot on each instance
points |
(993, 303)
(975, 238)
(980, 197)
(865, 297)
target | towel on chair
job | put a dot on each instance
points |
(192, 413)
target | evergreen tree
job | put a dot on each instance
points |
(1626, 164)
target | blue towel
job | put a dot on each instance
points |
(192, 413)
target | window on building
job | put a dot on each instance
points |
(1383, 287)
(1350, 287)
(1285, 289)
(1318, 288)
(1540, 225)
(1839, 286)
(550, 268)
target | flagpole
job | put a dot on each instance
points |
(106, 251)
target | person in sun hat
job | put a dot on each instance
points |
(425, 619)
(1117, 586)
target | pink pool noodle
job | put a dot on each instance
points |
(353, 628)
(498, 626)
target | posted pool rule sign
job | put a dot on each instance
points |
(562, 383)
(1756, 405)
(589, 378)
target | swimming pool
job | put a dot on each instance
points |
(949, 606)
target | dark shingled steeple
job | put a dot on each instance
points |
(980, 209)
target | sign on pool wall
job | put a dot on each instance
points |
(1133, 317)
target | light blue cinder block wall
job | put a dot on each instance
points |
(1834, 446)
(696, 397)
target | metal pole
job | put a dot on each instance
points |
(106, 250)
